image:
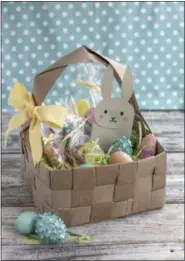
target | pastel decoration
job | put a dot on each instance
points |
(122, 143)
(53, 116)
(25, 223)
(85, 165)
(89, 84)
(114, 116)
(82, 107)
(147, 147)
(119, 157)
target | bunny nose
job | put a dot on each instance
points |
(113, 118)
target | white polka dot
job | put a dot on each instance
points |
(123, 35)
(149, 65)
(149, 95)
(155, 102)
(91, 29)
(168, 71)
(181, 55)
(51, 15)
(110, 36)
(136, 50)
(52, 46)
(156, 57)
(58, 22)
(57, 7)
(19, 40)
(110, 4)
(123, 19)
(136, 34)
(162, 64)
(65, 30)
(97, 20)
(117, 11)
(33, 55)
(174, 93)
(143, 73)
(136, 18)
(46, 39)
(162, 49)
(45, 23)
(175, 17)
(156, 72)
(44, 7)
(143, 10)
(174, 79)
(143, 88)
(181, 101)
(97, 4)
(181, 71)
(142, 42)
(143, 57)
(136, 65)
(110, 20)
(168, 101)
(70, 6)
(162, 94)
(117, 43)
(27, 64)
(130, 58)
(168, 56)
(117, 27)
(143, 26)
(137, 81)
(77, 13)
(130, 42)
(7, 57)
(149, 80)
(156, 10)
(149, 49)
(144, 103)
(124, 50)
(14, 64)
(162, 79)
(130, 27)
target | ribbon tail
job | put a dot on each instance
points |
(35, 140)
(16, 121)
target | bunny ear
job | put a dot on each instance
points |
(107, 83)
(127, 85)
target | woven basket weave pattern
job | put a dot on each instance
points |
(81, 196)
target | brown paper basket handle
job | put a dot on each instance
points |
(44, 81)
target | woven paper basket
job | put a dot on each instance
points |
(94, 194)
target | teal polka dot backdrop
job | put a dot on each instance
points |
(147, 36)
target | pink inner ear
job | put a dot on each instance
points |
(101, 116)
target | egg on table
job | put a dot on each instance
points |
(119, 157)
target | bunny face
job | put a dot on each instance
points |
(115, 116)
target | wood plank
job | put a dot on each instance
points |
(118, 251)
(134, 237)
(15, 194)
(167, 126)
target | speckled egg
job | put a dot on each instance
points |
(122, 143)
(25, 223)
(119, 157)
(147, 146)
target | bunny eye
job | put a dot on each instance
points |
(122, 113)
(105, 111)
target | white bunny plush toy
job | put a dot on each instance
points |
(113, 116)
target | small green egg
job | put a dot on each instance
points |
(25, 223)
(86, 165)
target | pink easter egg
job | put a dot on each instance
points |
(147, 146)
(90, 115)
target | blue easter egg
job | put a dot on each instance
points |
(85, 165)
(122, 143)
(25, 223)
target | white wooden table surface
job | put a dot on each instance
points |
(155, 235)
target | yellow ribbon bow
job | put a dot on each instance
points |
(52, 115)
(91, 85)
